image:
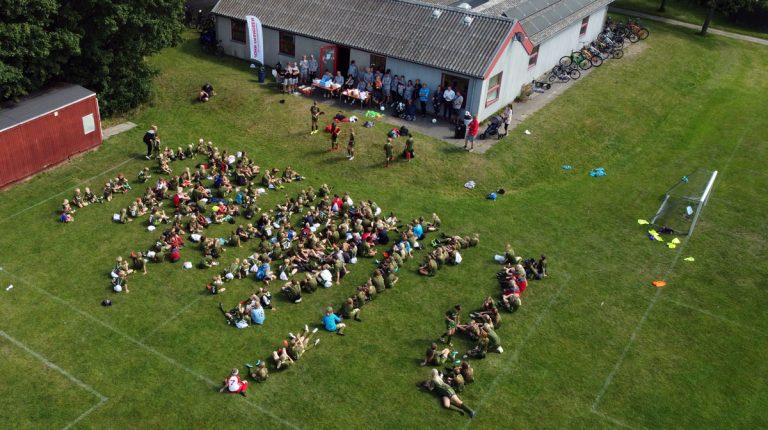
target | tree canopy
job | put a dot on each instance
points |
(100, 44)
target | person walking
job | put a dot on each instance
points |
(149, 140)
(472, 130)
(351, 145)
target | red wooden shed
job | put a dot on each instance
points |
(45, 129)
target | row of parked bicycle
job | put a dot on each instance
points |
(610, 43)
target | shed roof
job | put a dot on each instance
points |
(41, 103)
(402, 29)
(541, 19)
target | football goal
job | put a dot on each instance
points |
(683, 202)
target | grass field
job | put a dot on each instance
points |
(594, 345)
(692, 13)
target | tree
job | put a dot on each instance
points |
(727, 7)
(100, 44)
(663, 6)
(710, 13)
(117, 36)
(33, 46)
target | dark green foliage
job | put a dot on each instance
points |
(99, 44)
(34, 46)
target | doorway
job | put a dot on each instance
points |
(343, 60)
(458, 82)
(328, 57)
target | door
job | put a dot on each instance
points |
(343, 62)
(458, 82)
(328, 56)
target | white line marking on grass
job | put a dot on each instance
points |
(633, 336)
(85, 414)
(66, 191)
(45, 361)
(719, 317)
(655, 298)
(159, 354)
(181, 311)
(612, 420)
(516, 354)
(102, 398)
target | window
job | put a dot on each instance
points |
(379, 62)
(584, 25)
(494, 89)
(238, 30)
(89, 125)
(534, 57)
(287, 44)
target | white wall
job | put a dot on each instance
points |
(550, 52)
(513, 62)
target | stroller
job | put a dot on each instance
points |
(398, 109)
(493, 128)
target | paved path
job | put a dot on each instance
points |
(117, 129)
(688, 25)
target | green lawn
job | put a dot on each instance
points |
(685, 11)
(157, 355)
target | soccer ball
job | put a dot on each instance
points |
(383, 108)
(434, 120)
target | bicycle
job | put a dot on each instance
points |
(563, 73)
(576, 59)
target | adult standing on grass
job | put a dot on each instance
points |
(234, 384)
(447, 395)
(388, 152)
(332, 322)
(315, 113)
(351, 145)
(472, 129)
(149, 140)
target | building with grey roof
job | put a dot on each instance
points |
(488, 48)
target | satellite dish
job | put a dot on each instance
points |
(468, 20)
(464, 6)
(436, 13)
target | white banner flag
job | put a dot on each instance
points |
(255, 38)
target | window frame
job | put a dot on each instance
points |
(234, 31)
(373, 61)
(533, 58)
(584, 26)
(281, 39)
(495, 88)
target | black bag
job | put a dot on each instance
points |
(461, 131)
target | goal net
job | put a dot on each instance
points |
(683, 202)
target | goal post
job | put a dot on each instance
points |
(683, 203)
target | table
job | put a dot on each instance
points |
(355, 94)
(327, 91)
